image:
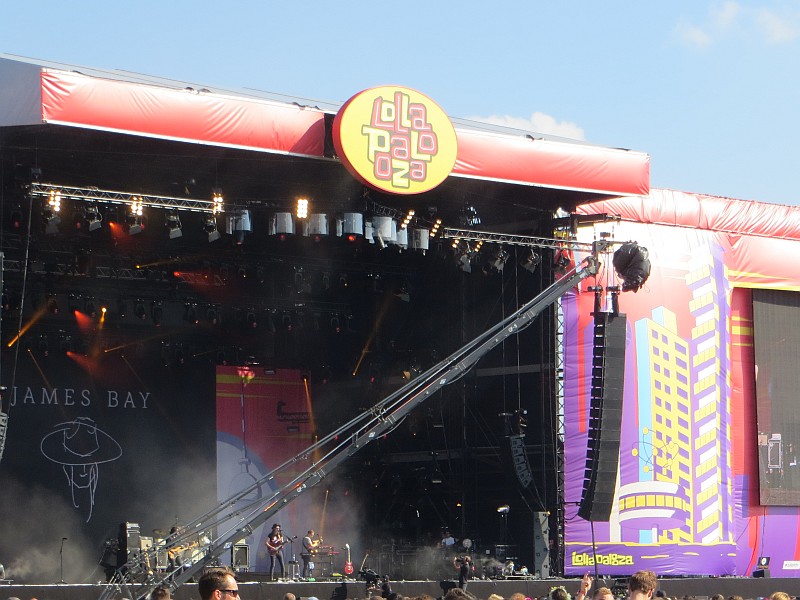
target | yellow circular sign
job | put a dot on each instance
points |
(395, 139)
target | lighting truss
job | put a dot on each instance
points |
(92, 194)
(471, 235)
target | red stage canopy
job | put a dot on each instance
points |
(32, 93)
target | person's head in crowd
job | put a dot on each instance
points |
(495, 597)
(558, 593)
(735, 598)
(289, 596)
(642, 585)
(161, 593)
(517, 596)
(603, 593)
(779, 596)
(218, 584)
(458, 594)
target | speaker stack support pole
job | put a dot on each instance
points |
(605, 413)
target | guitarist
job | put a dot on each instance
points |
(309, 549)
(275, 543)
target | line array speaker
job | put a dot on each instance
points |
(605, 416)
(519, 458)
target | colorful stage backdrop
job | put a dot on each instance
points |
(687, 499)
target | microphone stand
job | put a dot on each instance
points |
(61, 553)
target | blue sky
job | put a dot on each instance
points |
(711, 90)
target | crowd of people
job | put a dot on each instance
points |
(220, 584)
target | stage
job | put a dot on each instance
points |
(253, 589)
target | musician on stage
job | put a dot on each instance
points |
(465, 568)
(275, 543)
(309, 549)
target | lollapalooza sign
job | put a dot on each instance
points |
(395, 139)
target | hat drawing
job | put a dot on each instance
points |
(80, 442)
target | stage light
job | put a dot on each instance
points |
(384, 230)
(173, 225)
(499, 260)
(52, 304)
(218, 200)
(632, 264)
(90, 307)
(212, 315)
(503, 509)
(318, 225)
(239, 225)
(407, 220)
(210, 227)
(281, 224)
(134, 217)
(157, 313)
(73, 303)
(139, 311)
(94, 220)
(420, 240)
(43, 345)
(302, 208)
(531, 261)
(352, 225)
(50, 216)
(135, 225)
(435, 229)
(250, 320)
(190, 314)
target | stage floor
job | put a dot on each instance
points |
(252, 589)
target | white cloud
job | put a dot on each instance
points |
(730, 18)
(777, 29)
(725, 14)
(538, 122)
(691, 35)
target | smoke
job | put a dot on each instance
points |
(34, 522)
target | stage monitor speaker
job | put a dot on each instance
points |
(761, 573)
(605, 416)
(240, 558)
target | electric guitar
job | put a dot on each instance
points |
(348, 566)
(273, 549)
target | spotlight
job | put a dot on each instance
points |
(134, 223)
(239, 225)
(210, 227)
(94, 220)
(632, 264)
(499, 261)
(52, 304)
(173, 225)
(218, 200)
(134, 217)
(43, 345)
(190, 314)
(90, 308)
(352, 225)
(503, 509)
(139, 310)
(157, 313)
(50, 217)
(281, 224)
(302, 208)
(530, 262)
